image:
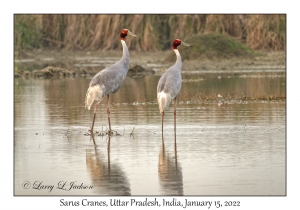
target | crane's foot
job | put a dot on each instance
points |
(107, 132)
(92, 131)
(110, 132)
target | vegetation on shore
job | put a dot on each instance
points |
(155, 32)
(211, 46)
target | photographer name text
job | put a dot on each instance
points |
(61, 185)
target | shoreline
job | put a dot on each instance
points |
(273, 60)
(88, 63)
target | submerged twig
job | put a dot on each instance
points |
(67, 134)
(123, 131)
(131, 134)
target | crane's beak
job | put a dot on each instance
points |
(185, 44)
(132, 34)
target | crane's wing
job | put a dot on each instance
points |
(111, 78)
(161, 83)
(170, 82)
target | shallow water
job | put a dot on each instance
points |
(229, 149)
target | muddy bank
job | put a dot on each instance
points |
(40, 63)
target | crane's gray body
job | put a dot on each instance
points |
(109, 80)
(169, 84)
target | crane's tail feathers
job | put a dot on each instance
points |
(93, 93)
(163, 99)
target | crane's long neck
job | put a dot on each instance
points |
(178, 61)
(125, 58)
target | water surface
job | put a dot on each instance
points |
(229, 149)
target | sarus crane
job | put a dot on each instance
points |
(109, 80)
(169, 84)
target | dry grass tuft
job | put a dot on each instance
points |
(155, 32)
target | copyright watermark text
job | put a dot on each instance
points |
(61, 185)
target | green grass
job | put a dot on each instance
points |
(26, 34)
(213, 46)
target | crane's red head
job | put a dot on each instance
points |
(178, 42)
(125, 32)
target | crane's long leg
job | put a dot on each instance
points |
(108, 154)
(95, 110)
(175, 151)
(108, 113)
(162, 125)
(175, 116)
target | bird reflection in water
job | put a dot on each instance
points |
(107, 178)
(170, 172)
